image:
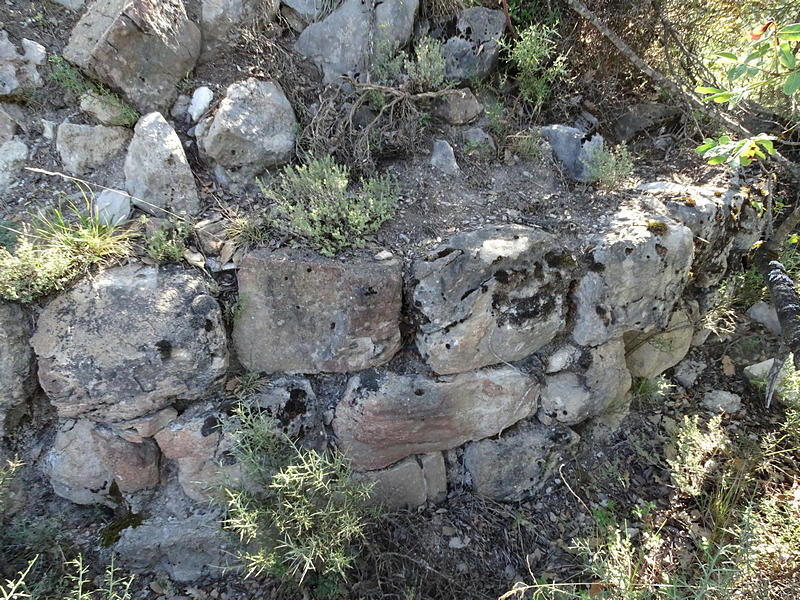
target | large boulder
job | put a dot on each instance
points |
(252, 130)
(157, 174)
(141, 47)
(639, 267)
(592, 383)
(490, 296)
(87, 459)
(17, 380)
(518, 462)
(130, 341)
(85, 147)
(385, 417)
(571, 150)
(18, 74)
(473, 51)
(303, 313)
(339, 44)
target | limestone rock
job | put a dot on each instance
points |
(650, 354)
(291, 402)
(147, 426)
(222, 20)
(518, 462)
(492, 295)
(339, 43)
(8, 124)
(18, 72)
(128, 342)
(400, 486)
(196, 441)
(570, 149)
(642, 117)
(13, 155)
(17, 380)
(157, 173)
(106, 109)
(443, 159)
(201, 100)
(459, 107)
(687, 372)
(597, 385)
(639, 270)
(252, 130)
(473, 51)
(87, 458)
(477, 139)
(712, 214)
(758, 373)
(112, 207)
(186, 547)
(303, 313)
(385, 417)
(140, 47)
(722, 401)
(765, 314)
(85, 147)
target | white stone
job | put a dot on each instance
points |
(112, 207)
(722, 401)
(201, 99)
(442, 158)
(765, 314)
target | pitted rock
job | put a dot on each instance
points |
(489, 296)
(129, 342)
(85, 147)
(383, 418)
(474, 50)
(639, 269)
(596, 385)
(650, 354)
(303, 313)
(17, 379)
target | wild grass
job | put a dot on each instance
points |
(58, 246)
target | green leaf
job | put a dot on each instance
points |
(787, 57)
(727, 56)
(768, 146)
(720, 98)
(790, 33)
(717, 160)
(737, 72)
(707, 90)
(792, 83)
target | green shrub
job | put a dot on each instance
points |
(313, 202)
(426, 74)
(301, 510)
(609, 168)
(165, 246)
(56, 249)
(537, 63)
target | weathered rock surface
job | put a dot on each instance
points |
(302, 313)
(201, 100)
(291, 402)
(641, 117)
(18, 73)
(409, 483)
(459, 107)
(765, 314)
(492, 295)
(385, 417)
(722, 401)
(104, 108)
(147, 426)
(473, 51)
(443, 158)
(8, 124)
(518, 462)
(13, 155)
(338, 44)
(595, 385)
(711, 213)
(687, 372)
(87, 458)
(650, 354)
(476, 139)
(112, 207)
(86, 147)
(640, 268)
(252, 130)
(157, 173)
(570, 149)
(129, 342)
(140, 47)
(221, 20)
(196, 441)
(758, 373)
(17, 379)
(186, 547)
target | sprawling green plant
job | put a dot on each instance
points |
(538, 63)
(609, 168)
(301, 511)
(426, 73)
(313, 202)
